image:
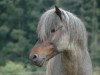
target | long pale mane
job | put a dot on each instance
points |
(71, 25)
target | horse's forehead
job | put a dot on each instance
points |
(48, 21)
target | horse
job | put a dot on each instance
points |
(62, 44)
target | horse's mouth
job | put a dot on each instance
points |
(39, 63)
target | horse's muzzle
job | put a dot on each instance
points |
(43, 52)
(37, 61)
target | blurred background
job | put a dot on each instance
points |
(18, 22)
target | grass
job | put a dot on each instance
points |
(12, 68)
(96, 72)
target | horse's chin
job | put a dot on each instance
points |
(39, 63)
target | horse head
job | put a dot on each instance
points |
(46, 49)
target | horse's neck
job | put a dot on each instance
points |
(70, 64)
(62, 64)
(55, 66)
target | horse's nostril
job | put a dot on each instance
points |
(34, 57)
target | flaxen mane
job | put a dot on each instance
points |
(71, 25)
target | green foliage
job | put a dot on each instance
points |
(12, 68)
(17, 34)
(4, 30)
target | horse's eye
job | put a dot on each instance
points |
(53, 30)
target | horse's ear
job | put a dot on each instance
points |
(58, 12)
